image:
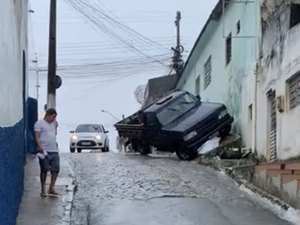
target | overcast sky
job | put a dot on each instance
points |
(105, 50)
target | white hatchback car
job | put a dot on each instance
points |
(89, 136)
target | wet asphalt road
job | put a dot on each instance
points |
(120, 189)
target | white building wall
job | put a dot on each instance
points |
(281, 61)
(13, 41)
(231, 84)
(290, 144)
(245, 82)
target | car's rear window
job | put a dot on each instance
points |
(89, 128)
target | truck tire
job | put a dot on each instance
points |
(225, 131)
(186, 154)
(140, 147)
(72, 150)
(144, 149)
(135, 145)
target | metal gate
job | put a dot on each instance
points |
(272, 125)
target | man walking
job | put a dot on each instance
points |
(45, 135)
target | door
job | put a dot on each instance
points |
(272, 131)
(24, 99)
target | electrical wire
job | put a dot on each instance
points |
(93, 15)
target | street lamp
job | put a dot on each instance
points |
(112, 115)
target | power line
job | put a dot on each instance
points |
(92, 14)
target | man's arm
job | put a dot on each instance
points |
(38, 141)
(56, 126)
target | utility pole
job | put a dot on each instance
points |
(51, 95)
(177, 58)
(177, 23)
(37, 76)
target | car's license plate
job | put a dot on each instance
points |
(85, 143)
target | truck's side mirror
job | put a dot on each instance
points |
(72, 131)
(198, 98)
(106, 131)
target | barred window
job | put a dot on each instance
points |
(294, 91)
(228, 49)
(207, 72)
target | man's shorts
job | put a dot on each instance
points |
(50, 162)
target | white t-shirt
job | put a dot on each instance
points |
(47, 135)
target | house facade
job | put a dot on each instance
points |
(222, 66)
(13, 98)
(247, 57)
(278, 124)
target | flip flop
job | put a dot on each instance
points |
(43, 195)
(52, 193)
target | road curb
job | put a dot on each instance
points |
(69, 198)
(244, 179)
(262, 193)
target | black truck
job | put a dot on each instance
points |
(178, 122)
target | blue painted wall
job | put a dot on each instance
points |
(14, 114)
(32, 117)
(12, 155)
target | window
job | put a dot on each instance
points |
(238, 27)
(197, 85)
(152, 120)
(228, 48)
(295, 15)
(88, 128)
(250, 112)
(207, 72)
(294, 91)
(176, 109)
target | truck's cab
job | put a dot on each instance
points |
(182, 123)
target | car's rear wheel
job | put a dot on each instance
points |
(72, 150)
(79, 150)
(186, 154)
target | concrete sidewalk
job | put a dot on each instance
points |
(35, 210)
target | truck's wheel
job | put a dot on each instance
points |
(135, 145)
(79, 150)
(72, 150)
(186, 154)
(225, 131)
(144, 149)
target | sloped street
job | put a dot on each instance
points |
(132, 189)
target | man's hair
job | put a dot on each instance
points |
(51, 111)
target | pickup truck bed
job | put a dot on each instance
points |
(131, 127)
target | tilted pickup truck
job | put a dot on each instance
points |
(178, 122)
